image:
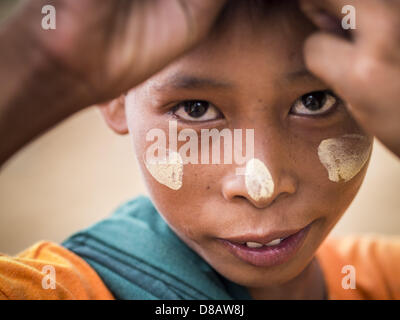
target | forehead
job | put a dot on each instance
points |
(263, 38)
(260, 26)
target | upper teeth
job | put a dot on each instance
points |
(254, 244)
(259, 245)
(274, 242)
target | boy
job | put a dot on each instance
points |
(213, 231)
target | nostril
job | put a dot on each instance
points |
(241, 197)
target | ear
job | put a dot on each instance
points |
(114, 114)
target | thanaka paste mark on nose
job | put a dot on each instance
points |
(345, 156)
(259, 182)
(166, 169)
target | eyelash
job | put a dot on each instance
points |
(190, 104)
(328, 97)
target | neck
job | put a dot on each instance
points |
(308, 285)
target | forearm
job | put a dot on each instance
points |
(98, 50)
(35, 93)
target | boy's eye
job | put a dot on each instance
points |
(314, 103)
(196, 110)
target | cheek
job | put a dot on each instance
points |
(183, 208)
(178, 189)
(345, 156)
(166, 168)
(329, 172)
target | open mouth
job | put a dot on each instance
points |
(267, 251)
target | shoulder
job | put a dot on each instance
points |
(371, 261)
(47, 270)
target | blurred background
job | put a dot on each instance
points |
(80, 171)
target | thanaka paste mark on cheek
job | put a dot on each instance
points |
(345, 156)
(167, 169)
(259, 182)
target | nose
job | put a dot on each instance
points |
(261, 183)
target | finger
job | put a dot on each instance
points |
(348, 18)
(330, 58)
(328, 12)
(320, 17)
(332, 7)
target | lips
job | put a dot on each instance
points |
(263, 239)
(275, 253)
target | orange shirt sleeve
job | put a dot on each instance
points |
(22, 276)
(376, 262)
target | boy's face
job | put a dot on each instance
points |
(250, 75)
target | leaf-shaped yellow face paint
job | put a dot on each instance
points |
(258, 179)
(345, 156)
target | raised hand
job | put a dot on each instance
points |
(363, 65)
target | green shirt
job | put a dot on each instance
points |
(138, 256)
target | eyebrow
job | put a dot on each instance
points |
(185, 81)
(179, 81)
